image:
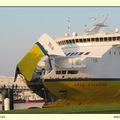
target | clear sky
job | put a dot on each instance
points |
(20, 27)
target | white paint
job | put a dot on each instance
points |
(6, 104)
(50, 45)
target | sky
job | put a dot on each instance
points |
(20, 28)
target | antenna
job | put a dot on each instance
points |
(68, 21)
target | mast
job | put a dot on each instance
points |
(69, 25)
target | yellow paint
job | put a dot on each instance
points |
(84, 92)
(28, 64)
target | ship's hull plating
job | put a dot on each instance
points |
(85, 91)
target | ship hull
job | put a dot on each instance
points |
(85, 91)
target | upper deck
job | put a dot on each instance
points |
(88, 39)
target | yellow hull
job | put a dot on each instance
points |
(79, 92)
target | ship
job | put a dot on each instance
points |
(75, 69)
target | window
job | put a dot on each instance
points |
(105, 38)
(101, 39)
(109, 38)
(70, 41)
(109, 52)
(58, 72)
(72, 54)
(114, 53)
(64, 72)
(77, 40)
(80, 53)
(114, 38)
(97, 39)
(67, 41)
(72, 72)
(95, 60)
(39, 73)
(80, 40)
(76, 53)
(59, 43)
(118, 38)
(63, 42)
(68, 54)
(84, 40)
(88, 39)
(92, 39)
(119, 53)
(87, 53)
(73, 41)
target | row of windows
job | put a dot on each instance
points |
(101, 39)
(114, 52)
(76, 53)
(67, 72)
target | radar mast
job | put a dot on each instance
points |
(96, 26)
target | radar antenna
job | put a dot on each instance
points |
(94, 21)
(96, 26)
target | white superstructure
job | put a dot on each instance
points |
(94, 54)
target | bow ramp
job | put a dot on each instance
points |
(43, 47)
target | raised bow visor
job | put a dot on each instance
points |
(43, 47)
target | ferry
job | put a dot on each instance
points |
(75, 69)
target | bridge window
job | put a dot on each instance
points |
(92, 39)
(109, 38)
(76, 53)
(80, 40)
(114, 38)
(88, 39)
(60, 42)
(87, 53)
(68, 54)
(64, 42)
(105, 38)
(101, 39)
(73, 41)
(77, 40)
(80, 53)
(97, 39)
(67, 41)
(72, 53)
(70, 41)
(118, 38)
(84, 40)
